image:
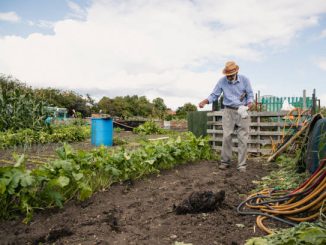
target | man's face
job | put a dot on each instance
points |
(232, 77)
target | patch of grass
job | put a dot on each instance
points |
(284, 178)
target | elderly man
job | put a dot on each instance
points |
(238, 97)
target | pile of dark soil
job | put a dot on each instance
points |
(200, 202)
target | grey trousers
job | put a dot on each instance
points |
(231, 118)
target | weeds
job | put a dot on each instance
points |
(284, 178)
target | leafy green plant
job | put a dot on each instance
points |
(119, 141)
(323, 111)
(304, 233)
(79, 122)
(118, 130)
(18, 107)
(149, 127)
(77, 174)
(17, 189)
(60, 133)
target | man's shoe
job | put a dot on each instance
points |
(223, 166)
(242, 170)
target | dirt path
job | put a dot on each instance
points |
(140, 212)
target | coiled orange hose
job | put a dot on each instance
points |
(303, 204)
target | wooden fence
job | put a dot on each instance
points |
(264, 127)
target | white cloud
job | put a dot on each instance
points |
(321, 63)
(156, 48)
(323, 33)
(77, 11)
(322, 98)
(9, 16)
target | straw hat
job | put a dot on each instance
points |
(230, 68)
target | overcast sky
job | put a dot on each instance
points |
(174, 49)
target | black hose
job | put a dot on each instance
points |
(272, 201)
(261, 213)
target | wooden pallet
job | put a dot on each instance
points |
(264, 127)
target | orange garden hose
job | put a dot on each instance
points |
(306, 203)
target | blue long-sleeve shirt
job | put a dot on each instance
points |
(232, 92)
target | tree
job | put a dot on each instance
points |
(91, 105)
(73, 101)
(65, 99)
(183, 110)
(115, 107)
(126, 106)
(144, 107)
(159, 108)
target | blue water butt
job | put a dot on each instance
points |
(102, 131)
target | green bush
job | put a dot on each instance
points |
(28, 137)
(149, 127)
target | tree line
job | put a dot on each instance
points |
(119, 106)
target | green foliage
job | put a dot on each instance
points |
(149, 127)
(118, 130)
(159, 108)
(323, 111)
(304, 233)
(11, 92)
(77, 174)
(28, 137)
(119, 141)
(126, 106)
(67, 99)
(19, 108)
(182, 111)
(285, 177)
(129, 106)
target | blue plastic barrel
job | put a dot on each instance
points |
(102, 131)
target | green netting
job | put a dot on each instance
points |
(275, 103)
(197, 123)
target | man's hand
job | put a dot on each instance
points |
(250, 106)
(203, 103)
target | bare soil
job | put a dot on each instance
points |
(141, 211)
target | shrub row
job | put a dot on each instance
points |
(62, 133)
